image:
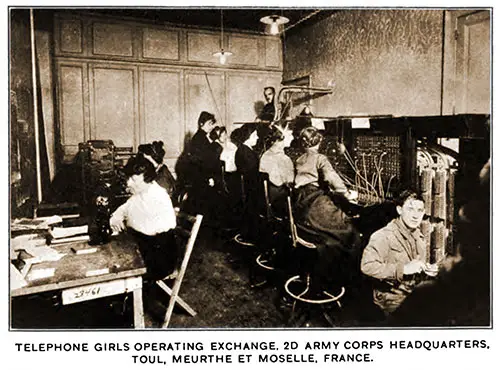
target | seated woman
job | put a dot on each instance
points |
(315, 183)
(149, 216)
(278, 166)
(155, 153)
(245, 158)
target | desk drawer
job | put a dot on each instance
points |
(99, 290)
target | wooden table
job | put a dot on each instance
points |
(114, 268)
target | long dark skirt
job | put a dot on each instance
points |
(277, 196)
(160, 252)
(332, 230)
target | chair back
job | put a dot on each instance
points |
(293, 228)
(243, 190)
(186, 231)
(267, 202)
(296, 239)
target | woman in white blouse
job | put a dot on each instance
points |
(278, 165)
(149, 216)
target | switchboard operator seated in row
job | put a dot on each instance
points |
(315, 182)
(318, 192)
(278, 165)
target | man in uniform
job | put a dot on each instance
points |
(396, 255)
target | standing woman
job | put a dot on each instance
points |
(200, 165)
(155, 153)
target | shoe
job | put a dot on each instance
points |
(172, 276)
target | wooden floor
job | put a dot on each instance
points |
(216, 286)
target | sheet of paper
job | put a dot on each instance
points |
(43, 254)
(97, 272)
(16, 278)
(21, 241)
(78, 238)
(36, 274)
(35, 223)
(361, 122)
(65, 232)
(318, 123)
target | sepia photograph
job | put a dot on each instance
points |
(232, 168)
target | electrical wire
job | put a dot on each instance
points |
(302, 19)
(213, 98)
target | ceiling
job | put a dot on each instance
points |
(243, 19)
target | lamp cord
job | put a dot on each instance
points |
(221, 30)
(303, 19)
(213, 98)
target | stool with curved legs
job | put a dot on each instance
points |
(310, 299)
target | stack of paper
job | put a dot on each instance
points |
(69, 234)
(34, 224)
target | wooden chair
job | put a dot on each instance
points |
(186, 231)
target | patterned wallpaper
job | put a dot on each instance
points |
(377, 61)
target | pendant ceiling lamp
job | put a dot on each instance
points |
(222, 54)
(274, 23)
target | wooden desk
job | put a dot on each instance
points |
(115, 268)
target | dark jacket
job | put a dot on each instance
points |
(247, 162)
(203, 158)
(166, 180)
(267, 113)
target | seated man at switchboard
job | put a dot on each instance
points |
(149, 216)
(396, 255)
(460, 295)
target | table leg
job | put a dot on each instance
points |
(138, 309)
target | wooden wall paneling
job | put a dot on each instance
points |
(73, 125)
(69, 36)
(273, 52)
(203, 95)
(459, 47)
(183, 48)
(113, 39)
(245, 50)
(162, 116)
(202, 46)
(473, 63)
(160, 44)
(114, 103)
(245, 94)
